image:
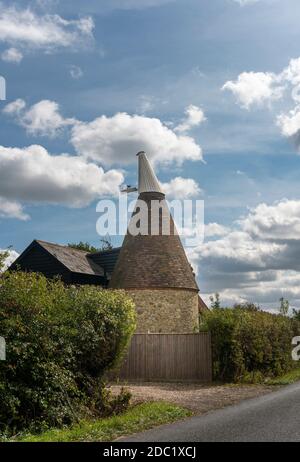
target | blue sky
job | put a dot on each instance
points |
(155, 59)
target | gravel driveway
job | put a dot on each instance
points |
(197, 397)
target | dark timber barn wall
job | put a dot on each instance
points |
(71, 265)
(37, 259)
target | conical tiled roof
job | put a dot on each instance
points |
(152, 261)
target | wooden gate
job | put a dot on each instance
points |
(174, 357)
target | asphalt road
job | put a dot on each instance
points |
(273, 417)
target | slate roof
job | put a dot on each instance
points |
(107, 259)
(77, 261)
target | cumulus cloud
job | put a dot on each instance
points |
(255, 88)
(292, 72)
(26, 29)
(15, 107)
(214, 229)
(12, 209)
(12, 55)
(41, 119)
(111, 140)
(181, 188)
(280, 221)
(32, 175)
(262, 88)
(258, 259)
(194, 117)
(289, 123)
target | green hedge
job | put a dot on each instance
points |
(60, 342)
(249, 344)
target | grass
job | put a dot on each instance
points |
(286, 379)
(136, 419)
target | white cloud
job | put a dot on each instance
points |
(255, 88)
(214, 229)
(256, 260)
(239, 251)
(42, 119)
(259, 88)
(194, 117)
(292, 72)
(289, 123)
(15, 107)
(181, 188)
(32, 175)
(111, 140)
(76, 72)
(12, 55)
(280, 221)
(108, 140)
(25, 29)
(12, 209)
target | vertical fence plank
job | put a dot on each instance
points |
(181, 357)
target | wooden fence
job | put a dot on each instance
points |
(168, 357)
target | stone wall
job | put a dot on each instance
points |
(165, 310)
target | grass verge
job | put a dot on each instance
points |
(286, 379)
(138, 418)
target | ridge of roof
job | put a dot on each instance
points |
(75, 260)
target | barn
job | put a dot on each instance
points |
(71, 265)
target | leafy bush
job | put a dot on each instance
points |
(249, 344)
(60, 342)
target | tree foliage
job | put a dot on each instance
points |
(215, 301)
(60, 343)
(86, 247)
(284, 306)
(248, 343)
(3, 257)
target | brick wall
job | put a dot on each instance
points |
(165, 310)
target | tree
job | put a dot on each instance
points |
(3, 256)
(215, 301)
(296, 314)
(247, 306)
(106, 243)
(60, 343)
(284, 306)
(87, 247)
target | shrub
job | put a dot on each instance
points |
(60, 342)
(249, 344)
